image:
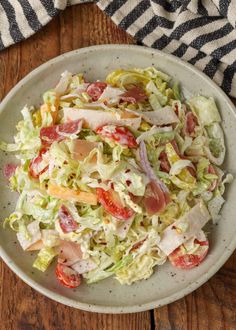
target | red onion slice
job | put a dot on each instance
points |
(148, 169)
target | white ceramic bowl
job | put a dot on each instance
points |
(167, 283)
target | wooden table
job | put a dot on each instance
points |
(213, 306)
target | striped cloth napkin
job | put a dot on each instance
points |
(202, 32)
(19, 19)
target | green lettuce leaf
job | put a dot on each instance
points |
(205, 110)
(44, 258)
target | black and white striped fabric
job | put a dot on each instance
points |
(202, 32)
(19, 19)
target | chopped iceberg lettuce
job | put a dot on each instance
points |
(205, 110)
(92, 197)
(44, 258)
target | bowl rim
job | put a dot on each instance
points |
(104, 308)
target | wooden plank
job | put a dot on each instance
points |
(212, 306)
(22, 308)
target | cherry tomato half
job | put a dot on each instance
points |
(67, 276)
(111, 202)
(182, 260)
(119, 134)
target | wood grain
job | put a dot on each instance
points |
(21, 308)
(212, 306)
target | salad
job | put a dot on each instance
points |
(116, 177)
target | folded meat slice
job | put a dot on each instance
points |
(69, 253)
(184, 228)
(84, 266)
(97, 118)
(162, 116)
(82, 148)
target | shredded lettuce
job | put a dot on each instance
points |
(216, 146)
(27, 140)
(86, 195)
(205, 109)
(214, 207)
(140, 268)
(44, 258)
(152, 89)
(176, 91)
